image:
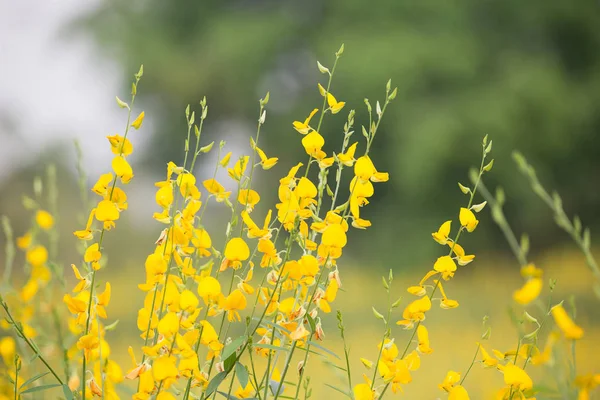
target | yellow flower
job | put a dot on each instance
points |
(137, 124)
(120, 145)
(236, 251)
(188, 301)
(347, 158)
(103, 300)
(23, 242)
(529, 292)
(7, 350)
(169, 324)
(164, 196)
(107, 212)
(334, 105)
(303, 127)
(101, 186)
(225, 160)
(202, 242)
(586, 383)
(244, 393)
(37, 256)
(164, 369)
(92, 255)
(216, 189)
(451, 379)
(209, 289)
(44, 219)
(415, 311)
(565, 323)
(266, 162)
(487, 360)
(531, 271)
(86, 234)
(238, 169)
(516, 378)
(87, 343)
(446, 266)
(441, 236)
(312, 144)
(248, 198)
(467, 219)
(122, 169)
(363, 391)
(233, 303)
(458, 393)
(423, 337)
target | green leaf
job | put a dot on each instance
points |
(229, 362)
(311, 322)
(270, 346)
(324, 349)
(242, 374)
(339, 390)
(40, 388)
(232, 347)
(215, 382)
(33, 379)
(68, 393)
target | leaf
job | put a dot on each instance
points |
(229, 362)
(228, 396)
(270, 346)
(339, 390)
(311, 322)
(214, 383)
(242, 374)
(121, 103)
(40, 388)
(68, 393)
(232, 347)
(318, 346)
(33, 379)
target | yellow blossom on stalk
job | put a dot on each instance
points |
(446, 303)
(202, 242)
(103, 300)
(516, 378)
(423, 337)
(238, 169)
(270, 256)
(347, 158)
(164, 196)
(446, 266)
(236, 251)
(122, 169)
(441, 236)
(216, 189)
(565, 323)
(169, 324)
(107, 212)
(458, 393)
(467, 219)
(531, 271)
(187, 186)
(248, 198)
(118, 197)
(23, 242)
(451, 379)
(146, 386)
(165, 370)
(253, 230)
(37, 256)
(101, 186)
(586, 383)
(303, 127)
(415, 312)
(44, 219)
(365, 170)
(188, 301)
(7, 349)
(209, 289)
(313, 142)
(233, 303)
(246, 392)
(87, 343)
(333, 240)
(266, 162)
(334, 105)
(363, 391)
(86, 234)
(529, 292)
(486, 359)
(92, 255)
(120, 145)
(459, 252)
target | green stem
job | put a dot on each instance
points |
(471, 365)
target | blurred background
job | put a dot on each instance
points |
(525, 73)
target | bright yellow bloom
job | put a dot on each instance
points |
(441, 236)
(365, 170)
(92, 255)
(303, 127)
(586, 383)
(44, 219)
(423, 337)
(164, 196)
(169, 324)
(202, 242)
(266, 162)
(487, 360)
(334, 105)
(458, 393)
(86, 234)
(415, 311)
(459, 252)
(122, 169)
(446, 266)
(101, 186)
(216, 189)
(209, 289)
(37, 256)
(120, 145)
(233, 303)
(164, 369)
(107, 212)
(238, 169)
(225, 160)
(244, 393)
(467, 219)
(87, 343)
(529, 292)
(236, 251)
(451, 379)
(565, 323)
(347, 158)
(187, 186)
(248, 198)
(188, 301)
(313, 142)
(7, 350)
(103, 300)
(516, 378)
(363, 391)
(23, 242)
(531, 271)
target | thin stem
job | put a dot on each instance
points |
(472, 363)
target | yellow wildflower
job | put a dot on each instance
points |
(122, 169)
(216, 189)
(458, 393)
(44, 219)
(516, 378)
(233, 303)
(347, 158)
(120, 145)
(441, 236)
(266, 162)
(529, 292)
(334, 105)
(236, 251)
(238, 169)
(303, 127)
(313, 142)
(107, 212)
(37, 256)
(565, 323)
(423, 337)
(446, 266)
(101, 186)
(87, 343)
(468, 219)
(248, 198)
(451, 379)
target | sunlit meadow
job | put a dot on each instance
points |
(265, 307)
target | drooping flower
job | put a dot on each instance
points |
(441, 236)
(446, 266)
(467, 219)
(236, 251)
(122, 169)
(44, 219)
(565, 323)
(529, 292)
(334, 105)
(303, 127)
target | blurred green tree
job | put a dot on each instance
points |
(525, 73)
